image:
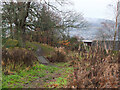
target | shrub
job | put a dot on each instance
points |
(57, 57)
(73, 40)
(74, 44)
(17, 57)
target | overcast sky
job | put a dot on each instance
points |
(95, 8)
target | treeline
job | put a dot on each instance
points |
(40, 22)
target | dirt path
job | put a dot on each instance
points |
(40, 82)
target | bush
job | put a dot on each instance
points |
(17, 57)
(73, 40)
(57, 57)
(74, 44)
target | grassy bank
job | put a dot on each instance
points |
(38, 71)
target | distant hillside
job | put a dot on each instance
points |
(93, 30)
(96, 22)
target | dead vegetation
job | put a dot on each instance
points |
(17, 57)
(57, 57)
(97, 69)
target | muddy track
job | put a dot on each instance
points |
(40, 82)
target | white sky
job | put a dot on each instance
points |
(95, 8)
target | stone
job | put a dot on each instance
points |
(43, 60)
(40, 57)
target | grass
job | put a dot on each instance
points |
(63, 79)
(46, 48)
(38, 71)
(26, 76)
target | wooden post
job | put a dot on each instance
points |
(118, 36)
(118, 25)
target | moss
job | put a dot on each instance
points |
(34, 46)
(30, 46)
(47, 49)
(10, 43)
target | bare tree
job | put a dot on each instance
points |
(71, 20)
(106, 32)
(117, 19)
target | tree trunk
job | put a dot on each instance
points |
(20, 25)
(11, 31)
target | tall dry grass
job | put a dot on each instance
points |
(98, 68)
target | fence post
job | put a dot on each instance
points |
(118, 36)
(118, 25)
